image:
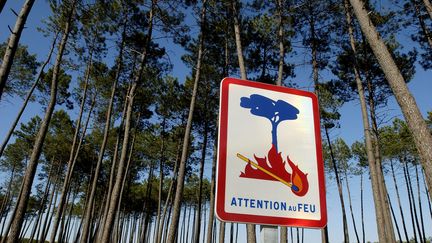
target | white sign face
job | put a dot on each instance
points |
(270, 168)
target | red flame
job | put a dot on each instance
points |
(276, 166)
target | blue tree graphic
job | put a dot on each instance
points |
(274, 111)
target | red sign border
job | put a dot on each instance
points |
(221, 162)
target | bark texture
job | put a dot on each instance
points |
(18, 219)
(182, 168)
(13, 42)
(410, 110)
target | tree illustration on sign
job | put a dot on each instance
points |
(275, 112)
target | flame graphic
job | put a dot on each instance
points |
(276, 166)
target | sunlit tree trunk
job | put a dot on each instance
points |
(87, 220)
(368, 137)
(415, 121)
(422, 23)
(411, 204)
(27, 98)
(73, 155)
(14, 39)
(428, 6)
(222, 232)
(21, 205)
(114, 198)
(399, 202)
(210, 231)
(181, 174)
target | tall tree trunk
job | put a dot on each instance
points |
(87, 216)
(251, 235)
(394, 219)
(420, 205)
(27, 98)
(114, 199)
(428, 6)
(12, 46)
(368, 137)
(362, 207)
(283, 230)
(415, 121)
(73, 156)
(399, 202)
(339, 185)
(422, 23)
(222, 232)
(40, 138)
(238, 44)
(405, 168)
(161, 176)
(114, 161)
(160, 232)
(210, 231)
(200, 185)
(181, 173)
(37, 225)
(281, 60)
(388, 225)
(350, 205)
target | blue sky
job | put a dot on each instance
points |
(351, 126)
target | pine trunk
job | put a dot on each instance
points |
(181, 174)
(114, 198)
(71, 163)
(27, 98)
(428, 6)
(87, 216)
(399, 202)
(200, 185)
(222, 232)
(21, 206)
(12, 46)
(339, 185)
(368, 137)
(415, 121)
(210, 232)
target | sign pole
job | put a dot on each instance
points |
(269, 234)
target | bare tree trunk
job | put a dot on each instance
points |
(114, 161)
(181, 174)
(37, 149)
(222, 232)
(27, 98)
(405, 168)
(41, 207)
(114, 199)
(399, 202)
(13, 43)
(87, 216)
(281, 65)
(422, 23)
(428, 6)
(362, 207)
(339, 185)
(239, 46)
(394, 218)
(251, 234)
(350, 205)
(210, 232)
(161, 176)
(203, 157)
(73, 156)
(415, 121)
(367, 132)
(420, 205)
